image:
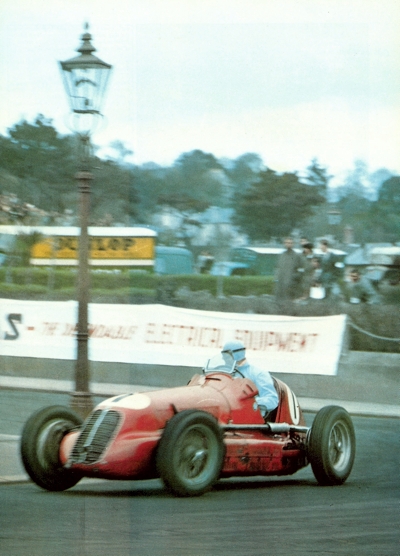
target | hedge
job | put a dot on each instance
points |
(210, 293)
(57, 279)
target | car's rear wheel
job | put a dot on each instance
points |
(190, 453)
(40, 445)
(332, 445)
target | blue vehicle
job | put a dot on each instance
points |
(173, 260)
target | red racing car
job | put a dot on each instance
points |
(189, 436)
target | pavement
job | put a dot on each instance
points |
(12, 471)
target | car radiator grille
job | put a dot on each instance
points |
(95, 436)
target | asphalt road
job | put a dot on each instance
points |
(275, 516)
(17, 405)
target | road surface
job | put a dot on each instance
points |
(274, 516)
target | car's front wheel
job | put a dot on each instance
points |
(190, 453)
(332, 445)
(40, 445)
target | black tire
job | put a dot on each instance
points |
(332, 445)
(40, 444)
(190, 453)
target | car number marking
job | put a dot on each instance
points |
(293, 407)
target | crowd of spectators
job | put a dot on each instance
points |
(316, 274)
(300, 276)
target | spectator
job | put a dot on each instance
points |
(359, 289)
(307, 256)
(289, 273)
(330, 268)
(205, 262)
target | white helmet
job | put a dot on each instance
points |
(235, 348)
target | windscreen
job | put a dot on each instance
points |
(222, 362)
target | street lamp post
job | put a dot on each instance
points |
(85, 80)
(334, 219)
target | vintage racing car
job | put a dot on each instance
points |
(190, 436)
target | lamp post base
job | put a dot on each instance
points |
(82, 403)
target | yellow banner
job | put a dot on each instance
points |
(100, 248)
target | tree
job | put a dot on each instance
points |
(121, 151)
(37, 149)
(275, 204)
(376, 180)
(389, 194)
(242, 172)
(317, 176)
(195, 182)
(356, 182)
(44, 161)
(114, 198)
(149, 182)
(354, 203)
(384, 213)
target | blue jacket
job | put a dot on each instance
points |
(267, 399)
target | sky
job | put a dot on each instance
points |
(290, 80)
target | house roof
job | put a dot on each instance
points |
(373, 253)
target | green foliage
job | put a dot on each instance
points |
(113, 195)
(244, 170)
(193, 183)
(275, 204)
(389, 194)
(43, 165)
(19, 290)
(43, 161)
(318, 177)
(44, 277)
(354, 204)
(231, 285)
(23, 246)
(248, 285)
(123, 295)
(148, 182)
(38, 166)
(371, 220)
(126, 282)
(385, 213)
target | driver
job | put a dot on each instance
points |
(267, 399)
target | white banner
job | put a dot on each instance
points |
(161, 335)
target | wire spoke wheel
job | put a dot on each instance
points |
(339, 446)
(193, 452)
(331, 445)
(190, 453)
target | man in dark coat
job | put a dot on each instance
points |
(308, 269)
(330, 266)
(289, 273)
